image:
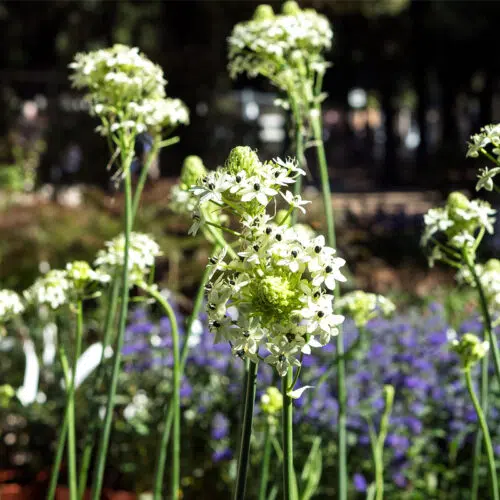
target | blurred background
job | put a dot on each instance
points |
(411, 81)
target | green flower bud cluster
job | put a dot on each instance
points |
(470, 350)
(286, 48)
(126, 90)
(362, 306)
(7, 392)
(456, 228)
(271, 401)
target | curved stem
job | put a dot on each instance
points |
(58, 458)
(219, 239)
(246, 431)
(174, 403)
(488, 331)
(89, 442)
(487, 439)
(264, 471)
(106, 431)
(330, 223)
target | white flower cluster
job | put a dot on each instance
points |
(126, 90)
(245, 185)
(470, 349)
(53, 290)
(363, 307)
(10, 305)
(456, 227)
(141, 257)
(489, 276)
(287, 48)
(272, 299)
(61, 287)
(489, 135)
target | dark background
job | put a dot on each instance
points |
(430, 69)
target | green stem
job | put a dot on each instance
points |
(330, 223)
(58, 458)
(184, 353)
(487, 439)
(106, 431)
(89, 442)
(264, 471)
(70, 412)
(219, 240)
(486, 317)
(174, 403)
(289, 481)
(246, 431)
(377, 460)
(299, 148)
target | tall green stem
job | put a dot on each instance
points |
(106, 431)
(70, 412)
(299, 147)
(330, 223)
(289, 481)
(488, 331)
(246, 431)
(174, 403)
(264, 471)
(184, 354)
(58, 458)
(483, 392)
(89, 442)
(487, 438)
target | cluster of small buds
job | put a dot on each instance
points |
(458, 226)
(141, 257)
(470, 350)
(182, 200)
(83, 278)
(245, 185)
(362, 306)
(286, 48)
(489, 276)
(126, 90)
(11, 305)
(271, 402)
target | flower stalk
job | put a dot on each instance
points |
(289, 480)
(127, 155)
(246, 431)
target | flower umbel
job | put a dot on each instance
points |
(470, 350)
(10, 305)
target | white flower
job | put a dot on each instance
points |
(141, 256)
(10, 305)
(295, 201)
(486, 178)
(54, 290)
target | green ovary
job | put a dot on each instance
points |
(273, 296)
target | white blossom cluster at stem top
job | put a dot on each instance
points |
(10, 305)
(246, 192)
(126, 90)
(456, 227)
(141, 256)
(274, 299)
(286, 48)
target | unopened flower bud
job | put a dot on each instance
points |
(263, 12)
(271, 401)
(290, 8)
(6, 394)
(192, 170)
(470, 350)
(242, 158)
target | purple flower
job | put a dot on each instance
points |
(359, 482)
